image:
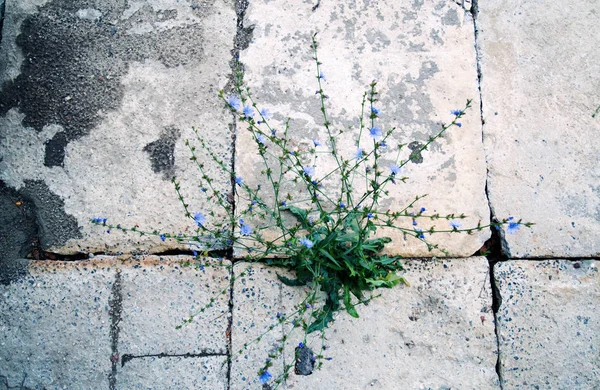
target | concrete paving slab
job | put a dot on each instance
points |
(95, 106)
(548, 324)
(540, 89)
(55, 325)
(421, 53)
(159, 293)
(437, 333)
(174, 373)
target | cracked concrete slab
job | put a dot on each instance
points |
(437, 333)
(174, 373)
(540, 88)
(159, 293)
(55, 325)
(96, 103)
(422, 54)
(548, 324)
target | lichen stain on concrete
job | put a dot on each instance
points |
(73, 66)
(162, 152)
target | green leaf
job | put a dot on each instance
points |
(300, 214)
(337, 267)
(349, 306)
(321, 321)
(291, 282)
(389, 281)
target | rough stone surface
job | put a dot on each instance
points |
(540, 87)
(55, 326)
(422, 54)
(96, 102)
(160, 292)
(548, 324)
(437, 333)
(174, 373)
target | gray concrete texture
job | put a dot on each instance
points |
(111, 323)
(437, 333)
(548, 324)
(422, 54)
(97, 101)
(540, 88)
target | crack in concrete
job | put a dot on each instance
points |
(128, 357)
(115, 304)
(493, 245)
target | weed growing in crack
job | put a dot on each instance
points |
(329, 232)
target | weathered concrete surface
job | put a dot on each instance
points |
(548, 324)
(96, 102)
(540, 87)
(160, 292)
(55, 326)
(437, 333)
(174, 373)
(421, 53)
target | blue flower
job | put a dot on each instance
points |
(300, 345)
(395, 169)
(261, 139)
(264, 377)
(245, 230)
(423, 209)
(194, 253)
(455, 112)
(239, 181)
(370, 215)
(342, 205)
(459, 124)
(375, 111)
(359, 153)
(309, 171)
(99, 220)
(513, 227)
(419, 233)
(273, 132)
(248, 112)
(322, 76)
(200, 219)
(455, 224)
(162, 237)
(284, 203)
(316, 142)
(234, 102)
(265, 113)
(414, 222)
(306, 242)
(382, 144)
(375, 132)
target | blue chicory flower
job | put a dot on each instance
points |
(459, 124)
(316, 142)
(322, 76)
(265, 113)
(395, 169)
(309, 171)
(360, 153)
(162, 237)
(234, 102)
(423, 209)
(261, 139)
(342, 205)
(239, 180)
(200, 219)
(455, 224)
(513, 227)
(375, 111)
(264, 377)
(245, 229)
(455, 112)
(370, 215)
(419, 233)
(248, 112)
(375, 132)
